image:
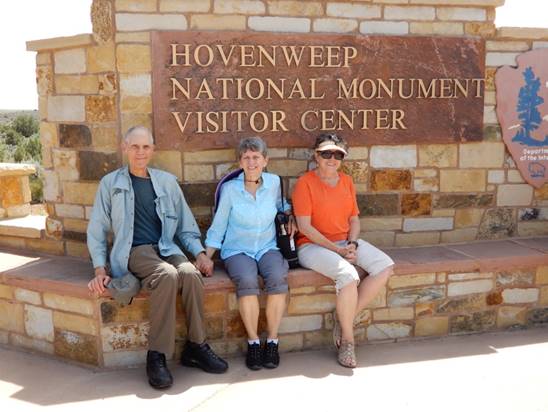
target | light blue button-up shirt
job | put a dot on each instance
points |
(243, 224)
(113, 209)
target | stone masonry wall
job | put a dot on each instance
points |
(92, 87)
(98, 332)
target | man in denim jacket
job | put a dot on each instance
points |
(146, 210)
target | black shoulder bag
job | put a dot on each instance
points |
(284, 241)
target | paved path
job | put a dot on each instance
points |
(489, 372)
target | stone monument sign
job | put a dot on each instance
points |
(210, 89)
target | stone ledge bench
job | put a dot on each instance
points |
(436, 291)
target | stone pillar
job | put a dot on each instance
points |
(14, 189)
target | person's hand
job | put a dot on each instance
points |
(99, 282)
(348, 252)
(292, 226)
(204, 264)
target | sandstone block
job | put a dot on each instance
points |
(438, 155)
(317, 339)
(54, 228)
(111, 312)
(44, 80)
(196, 173)
(74, 323)
(11, 191)
(334, 25)
(403, 156)
(101, 58)
(27, 296)
(541, 277)
(475, 322)
(215, 302)
(497, 224)
(71, 211)
(169, 161)
(429, 184)
(79, 193)
(11, 317)
(133, 37)
(394, 330)
(52, 247)
(416, 204)
(66, 109)
(497, 45)
(76, 225)
(495, 176)
(288, 167)
(500, 59)
(133, 58)
(353, 10)
(523, 33)
(447, 201)
(127, 336)
(68, 304)
(462, 180)
(291, 324)
(468, 303)
(238, 7)
(514, 195)
(481, 155)
(459, 235)
(100, 109)
(124, 358)
(76, 346)
(94, 165)
(426, 224)
(311, 304)
(393, 314)
(417, 239)
(434, 326)
(206, 156)
(378, 204)
(461, 13)
(381, 223)
(4, 337)
(279, 24)
(39, 322)
(143, 22)
(379, 239)
(407, 297)
(385, 180)
(437, 28)
(130, 5)
(409, 13)
(486, 30)
(465, 288)
(184, 5)
(74, 135)
(384, 27)
(29, 343)
(6, 292)
(66, 164)
(490, 3)
(215, 22)
(77, 249)
(515, 277)
(520, 295)
(104, 137)
(508, 316)
(468, 217)
(43, 58)
(403, 281)
(543, 300)
(76, 84)
(132, 119)
(514, 176)
(294, 8)
(539, 44)
(70, 61)
(136, 85)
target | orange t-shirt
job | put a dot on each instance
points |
(329, 208)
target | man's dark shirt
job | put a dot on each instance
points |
(147, 227)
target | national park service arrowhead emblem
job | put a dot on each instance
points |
(522, 111)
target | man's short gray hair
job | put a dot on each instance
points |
(255, 144)
(134, 129)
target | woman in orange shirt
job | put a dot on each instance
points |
(324, 203)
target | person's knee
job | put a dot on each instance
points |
(276, 282)
(168, 273)
(248, 285)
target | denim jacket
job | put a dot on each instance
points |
(113, 209)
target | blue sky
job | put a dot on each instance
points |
(22, 20)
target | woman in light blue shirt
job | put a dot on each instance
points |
(243, 229)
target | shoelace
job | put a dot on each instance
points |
(210, 352)
(271, 349)
(255, 352)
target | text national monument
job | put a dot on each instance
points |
(211, 89)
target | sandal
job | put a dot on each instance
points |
(347, 355)
(337, 332)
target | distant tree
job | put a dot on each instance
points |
(26, 125)
(528, 101)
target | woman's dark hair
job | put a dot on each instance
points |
(330, 137)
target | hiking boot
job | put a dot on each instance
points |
(254, 357)
(158, 374)
(271, 357)
(200, 355)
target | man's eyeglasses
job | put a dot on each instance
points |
(327, 154)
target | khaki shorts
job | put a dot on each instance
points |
(334, 266)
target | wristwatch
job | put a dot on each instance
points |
(352, 242)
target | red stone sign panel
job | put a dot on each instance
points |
(211, 89)
(522, 110)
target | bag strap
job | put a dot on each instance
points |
(282, 192)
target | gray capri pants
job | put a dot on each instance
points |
(244, 271)
(334, 266)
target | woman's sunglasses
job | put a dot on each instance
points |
(327, 154)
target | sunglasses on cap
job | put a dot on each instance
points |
(328, 154)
